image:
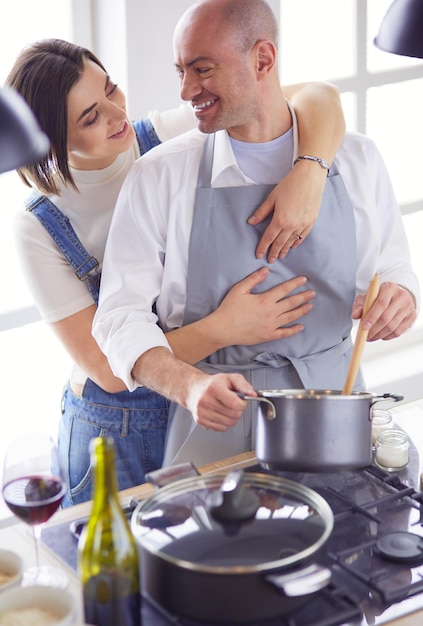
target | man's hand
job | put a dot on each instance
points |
(213, 400)
(392, 313)
(214, 403)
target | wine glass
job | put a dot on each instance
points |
(33, 488)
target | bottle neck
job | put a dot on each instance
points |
(103, 458)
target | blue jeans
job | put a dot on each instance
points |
(136, 421)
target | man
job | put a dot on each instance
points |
(180, 240)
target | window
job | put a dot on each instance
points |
(33, 366)
(382, 93)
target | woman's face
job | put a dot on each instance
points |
(98, 126)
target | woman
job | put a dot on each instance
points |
(62, 234)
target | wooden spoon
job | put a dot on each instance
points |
(360, 340)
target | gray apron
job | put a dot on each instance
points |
(221, 253)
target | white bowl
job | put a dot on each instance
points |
(56, 601)
(10, 569)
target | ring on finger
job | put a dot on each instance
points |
(299, 236)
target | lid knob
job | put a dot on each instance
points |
(233, 502)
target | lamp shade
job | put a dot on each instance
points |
(21, 140)
(401, 31)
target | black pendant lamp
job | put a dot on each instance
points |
(21, 140)
(401, 31)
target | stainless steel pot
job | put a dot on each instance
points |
(310, 430)
(232, 548)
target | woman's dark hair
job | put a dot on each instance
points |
(43, 74)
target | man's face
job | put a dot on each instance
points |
(216, 78)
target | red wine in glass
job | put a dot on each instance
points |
(34, 499)
(33, 488)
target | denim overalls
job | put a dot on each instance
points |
(135, 420)
(221, 253)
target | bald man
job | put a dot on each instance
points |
(180, 240)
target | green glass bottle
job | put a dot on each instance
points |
(107, 551)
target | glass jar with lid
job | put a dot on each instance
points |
(392, 450)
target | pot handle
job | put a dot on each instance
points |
(301, 582)
(271, 409)
(387, 396)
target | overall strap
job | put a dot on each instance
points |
(60, 230)
(146, 135)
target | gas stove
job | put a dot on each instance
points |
(375, 551)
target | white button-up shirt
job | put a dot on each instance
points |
(146, 257)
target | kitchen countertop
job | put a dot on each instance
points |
(18, 536)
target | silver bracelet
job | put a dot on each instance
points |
(322, 162)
